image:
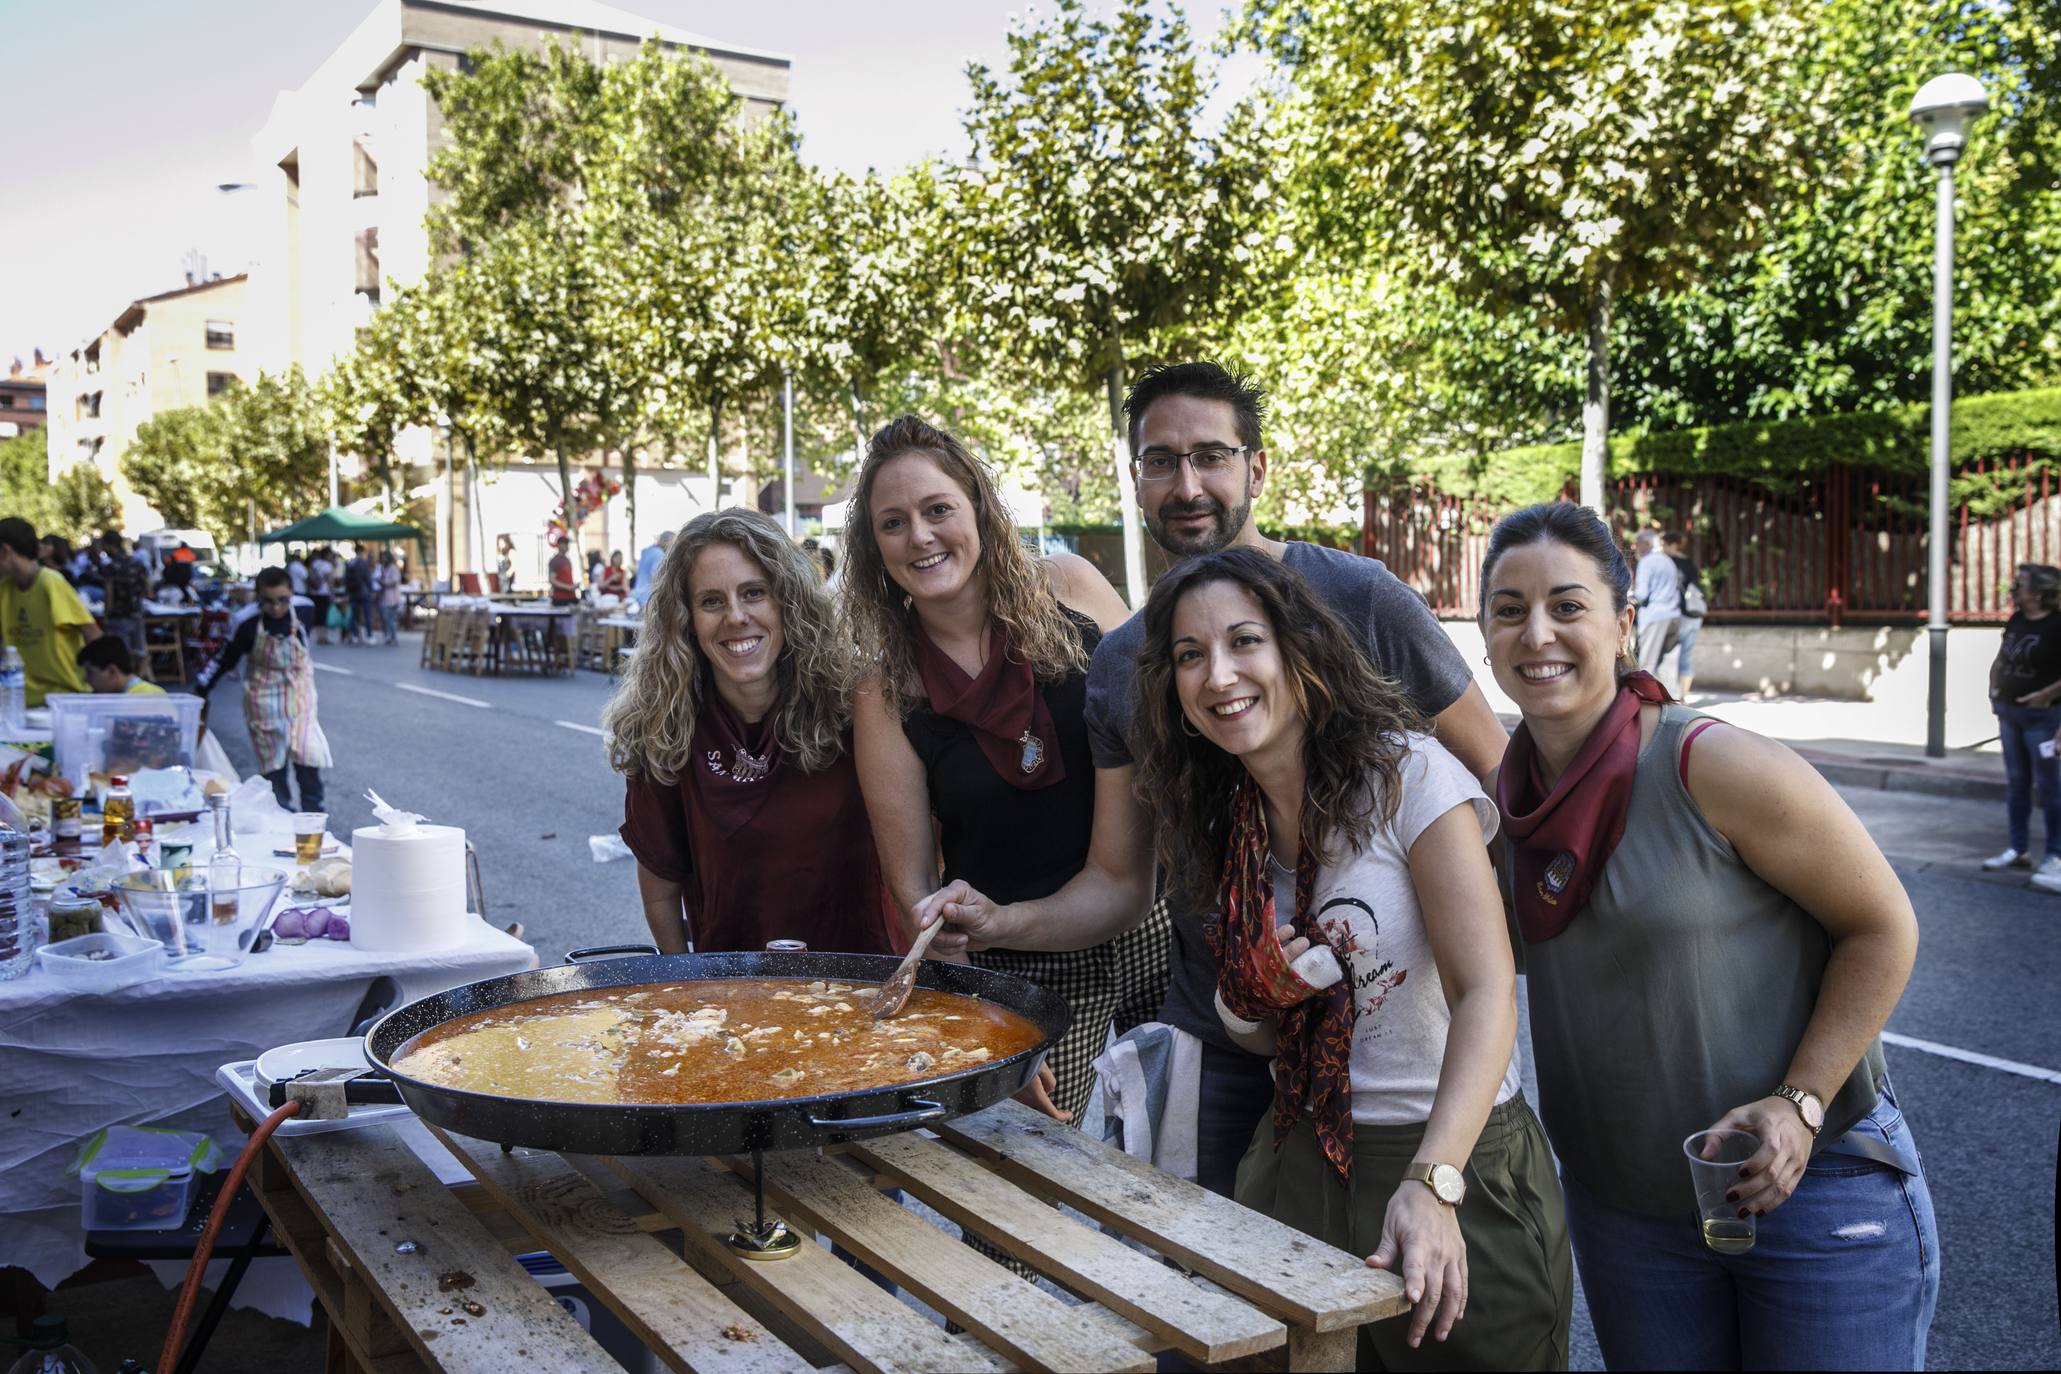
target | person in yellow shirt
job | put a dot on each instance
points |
(40, 615)
(110, 669)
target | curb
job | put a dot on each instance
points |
(1907, 778)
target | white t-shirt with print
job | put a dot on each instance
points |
(1367, 904)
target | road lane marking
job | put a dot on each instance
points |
(583, 729)
(331, 668)
(1985, 1061)
(441, 696)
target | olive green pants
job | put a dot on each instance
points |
(1520, 1274)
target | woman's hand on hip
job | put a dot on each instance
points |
(1771, 1174)
(1038, 1093)
(1420, 1239)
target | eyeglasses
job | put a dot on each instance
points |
(1158, 465)
(275, 600)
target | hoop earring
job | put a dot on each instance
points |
(1188, 729)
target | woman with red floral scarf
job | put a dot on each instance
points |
(1364, 947)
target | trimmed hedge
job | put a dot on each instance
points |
(1772, 452)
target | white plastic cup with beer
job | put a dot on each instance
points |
(310, 828)
(1714, 1160)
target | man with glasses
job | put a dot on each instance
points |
(1195, 431)
(278, 691)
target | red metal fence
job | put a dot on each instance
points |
(1847, 545)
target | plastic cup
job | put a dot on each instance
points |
(1714, 1160)
(309, 828)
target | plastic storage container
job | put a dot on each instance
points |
(103, 960)
(98, 733)
(20, 922)
(140, 1178)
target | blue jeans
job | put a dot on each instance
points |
(1844, 1275)
(389, 620)
(1236, 1094)
(1685, 647)
(2024, 730)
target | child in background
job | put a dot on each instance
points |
(278, 692)
(110, 669)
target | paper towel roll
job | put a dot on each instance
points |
(408, 888)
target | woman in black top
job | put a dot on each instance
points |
(968, 728)
(2024, 687)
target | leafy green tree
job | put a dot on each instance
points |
(179, 461)
(1834, 313)
(277, 455)
(83, 504)
(25, 489)
(1103, 219)
(1551, 159)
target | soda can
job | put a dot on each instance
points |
(787, 947)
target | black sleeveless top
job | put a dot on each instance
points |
(1011, 844)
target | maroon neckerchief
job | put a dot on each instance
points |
(730, 772)
(1313, 1065)
(1562, 837)
(1002, 707)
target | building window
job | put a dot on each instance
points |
(364, 171)
(36, 402)
(219, 382)
(7, 400)
(368, 264)
(221, 334)
(90, 402)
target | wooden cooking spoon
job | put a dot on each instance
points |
(894, 993)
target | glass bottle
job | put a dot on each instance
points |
(225, 868)
(117, 812)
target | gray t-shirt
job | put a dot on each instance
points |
(1399, 634)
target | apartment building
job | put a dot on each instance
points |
(343, 194)
(177, 348)
(343, 159)
(22, 396)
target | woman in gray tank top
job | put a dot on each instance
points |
(1711, 940)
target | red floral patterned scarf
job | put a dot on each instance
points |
(1313, 1070)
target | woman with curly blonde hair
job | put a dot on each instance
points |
(969, 726)
(732, 730)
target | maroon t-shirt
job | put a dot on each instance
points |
(563, 591)
(802, 867)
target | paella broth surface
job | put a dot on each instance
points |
(718, 1040)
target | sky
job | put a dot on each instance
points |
(123, 116)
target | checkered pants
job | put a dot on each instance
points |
(1119, 983)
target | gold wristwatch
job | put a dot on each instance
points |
(1447, 1184)
(1807, 1106)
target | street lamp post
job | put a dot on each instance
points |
(1943, 108)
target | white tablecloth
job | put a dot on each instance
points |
(146, 1054)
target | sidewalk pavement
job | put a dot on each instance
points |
(1864, 744)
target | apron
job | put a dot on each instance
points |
(279, 704)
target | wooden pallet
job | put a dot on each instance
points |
(415, 1275)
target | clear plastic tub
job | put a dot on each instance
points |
(140, 1178)
(101, 733)
(102, 960)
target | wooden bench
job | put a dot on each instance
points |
(414, 1275)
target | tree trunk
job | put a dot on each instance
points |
(475, 497)
(447, 569)
(1596, 401)
(1126, 488)
(565, 486)
(715, 464)
(858, 424)
(630, 496)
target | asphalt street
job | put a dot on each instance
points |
(1975, 1052)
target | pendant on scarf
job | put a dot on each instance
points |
(1555, 879)
(1033, 752)
(745, 766)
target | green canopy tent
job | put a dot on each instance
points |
(336, 523)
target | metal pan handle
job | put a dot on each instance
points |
(922, 1110)
(581, 956)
